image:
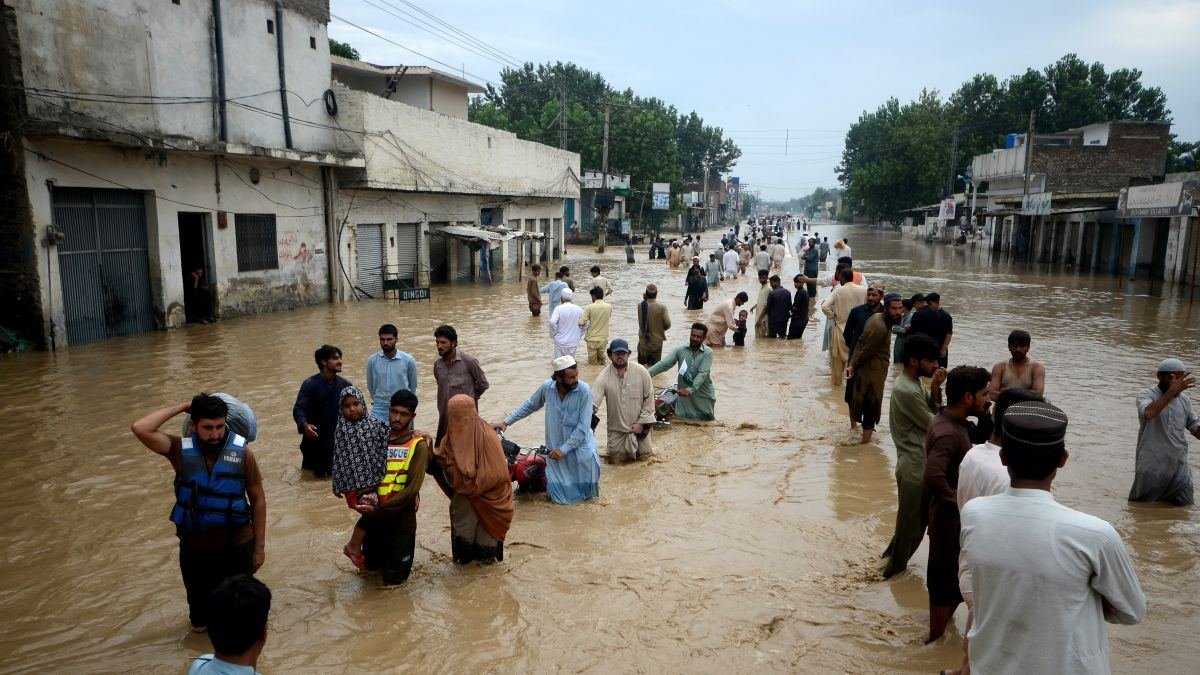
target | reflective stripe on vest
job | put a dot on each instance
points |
(216, 498)
(395, 476)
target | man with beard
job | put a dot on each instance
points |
(1161, 471)
(697, 395)
(388, 371)
(573, 472)
(317, 408)
(836, 308)
(220, 511)
(759, 309)
(799, 309)
(629, 392)
(779, 305)
(909, 413)
(935, 322)
(869, 365)
(456, 372)
(1019, 372)
(855, 323)
(946, 443)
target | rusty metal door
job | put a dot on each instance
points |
(103, 263)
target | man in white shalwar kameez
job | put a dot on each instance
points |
(564, 326)
(629, 392)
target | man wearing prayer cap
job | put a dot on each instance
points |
(573, 472)
(564, 325)
(1166, 415)
(1045, 578)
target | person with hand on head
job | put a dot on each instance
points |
(1166, 415)
(220, 511)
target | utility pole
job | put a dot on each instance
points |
(953, 160)
(602, 230)
(705, 211)
(1028, 177)
(562, 116)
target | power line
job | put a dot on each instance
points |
(496, 50)
(368, 31)
(436, 32)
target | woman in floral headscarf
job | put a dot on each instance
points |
(481, 505)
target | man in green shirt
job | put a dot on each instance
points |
(909, 414)
(697, 395)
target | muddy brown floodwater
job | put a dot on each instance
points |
(746, 545)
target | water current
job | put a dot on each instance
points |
(745, 545)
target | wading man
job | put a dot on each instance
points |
(909, 414)
(1166, 415)
(595, 320)
(779, 306)
(1020, 371)
(317, 408)
(697, 395)
(388, 371)
(836, 308)
(532, 293)
(220, 511)
(456, 372)
(564, 326)
(573, 472)
(629, 392)
(653, 323)
(869, 365)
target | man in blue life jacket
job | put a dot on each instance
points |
(220, 511)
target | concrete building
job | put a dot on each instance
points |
(710, 214)
(587, 213)
(440, 199)
(150, 139)
(1075, 180)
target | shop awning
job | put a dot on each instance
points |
(493, 238)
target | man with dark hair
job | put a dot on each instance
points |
(456, 372)
(554, 290)
(533, 294)
(629, 393)
(1020, 371)
(317, 408)
(220, 511)
(779, 306)
(389, 370)
(936, 323)
(868, 366)
(240, 606)
(1166, 415)
(1045, 578)
(759, 310)
(573, 474)
(909, 414)
(595, 321)
(391, 526)
(836, 308)
(946, 442)
(697, 395)
(600, 282)
(762, 260)
(812, 264)
(566, 277)
(799, 311)
(653, 323)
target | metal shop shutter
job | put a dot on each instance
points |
(408, 250)
(370, 259)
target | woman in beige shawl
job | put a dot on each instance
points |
(481, 505)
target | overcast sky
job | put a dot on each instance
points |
(760, 68)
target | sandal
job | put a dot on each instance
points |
(358, 559)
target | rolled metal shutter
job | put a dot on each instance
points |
(370, 259)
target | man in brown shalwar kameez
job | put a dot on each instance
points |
(629, 392)
(869, 365)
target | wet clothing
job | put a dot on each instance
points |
(723, 317)
(534, 296)
(629, 252)
(936, 323)
(779, 307)
(854, 325)
(697, 291)
(359, 450)
(1039, 572)
(1161, 471)
(909, 414)
(712, 272)
(565, 329)
(596, 318)
(762, 261)
(837, 309)
(554, 290)
(576, 476)
(761, 324)
(900, 330)
(603, 284)
(812, 262)
(799, 314)
(630, 401)
(463, 375)
(739, 334)
(653, 323)
(696, 376)
(1010, 380)
(391, 531)
(946, 442)
(209, 664)
(386, 376)
(730, 261)
(981, 474)
(870, 363)
(477, 471)
(318, 403)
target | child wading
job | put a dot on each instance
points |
(359, 459)
(739, 333)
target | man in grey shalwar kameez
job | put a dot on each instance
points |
(1165, 412)
(629, 392)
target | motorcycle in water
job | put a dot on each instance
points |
(526, 466)
(664, 407)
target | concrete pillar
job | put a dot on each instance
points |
(1114, 250)
(1135, 250)
(423, 265)
(1094, 262)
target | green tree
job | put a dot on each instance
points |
(343, 49)
(1183, 156)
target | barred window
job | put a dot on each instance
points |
(256, 248)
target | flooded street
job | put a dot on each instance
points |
(746, 545)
